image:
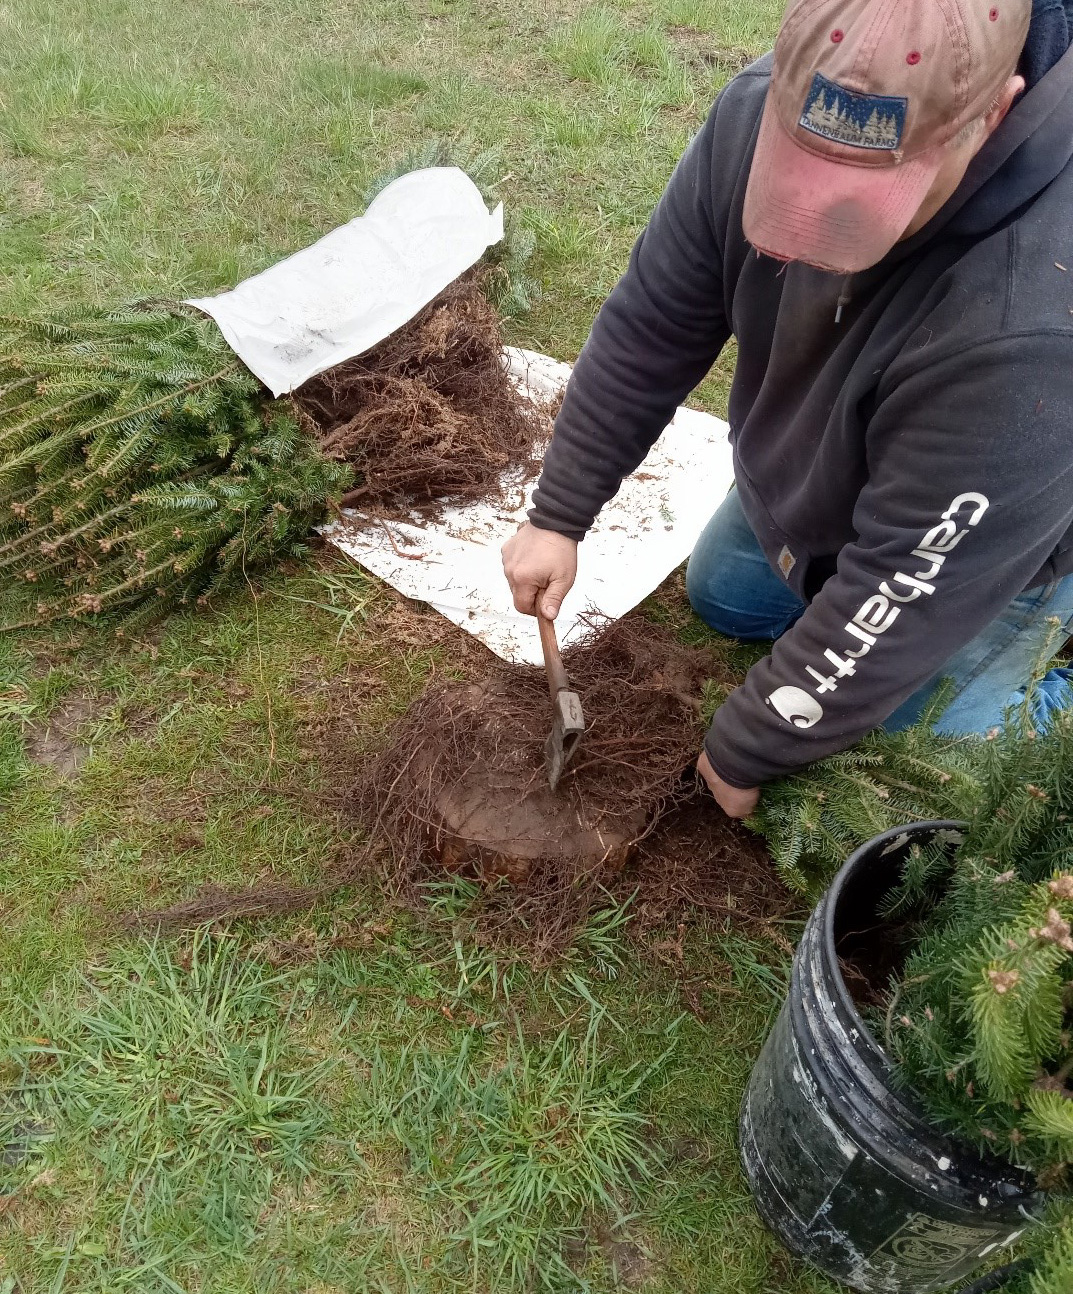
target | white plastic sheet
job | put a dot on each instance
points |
(359, 283)
(639, 538)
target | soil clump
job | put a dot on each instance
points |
(463, 779)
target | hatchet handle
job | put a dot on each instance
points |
(553, 661)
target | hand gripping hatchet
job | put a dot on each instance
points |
(568, 721)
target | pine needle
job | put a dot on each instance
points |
(146, 466)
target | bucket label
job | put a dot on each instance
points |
(931, 1245)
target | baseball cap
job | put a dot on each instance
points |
(866, 97)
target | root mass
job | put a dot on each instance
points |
(429, 416)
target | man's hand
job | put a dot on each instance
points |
(734, 802)
(540, 567)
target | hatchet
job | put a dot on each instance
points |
(567, 719)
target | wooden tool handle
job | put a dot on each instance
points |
(553, 661)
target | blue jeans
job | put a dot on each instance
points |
(735, 591)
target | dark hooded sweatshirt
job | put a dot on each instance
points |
(909, 468)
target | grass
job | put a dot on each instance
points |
(170, 1082)
(355, 1098)
(185, 1115)
(600, 47)
(517, 1147)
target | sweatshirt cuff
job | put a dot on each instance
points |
(542, 522)
(734, 775)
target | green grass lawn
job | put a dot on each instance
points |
(359, 1098)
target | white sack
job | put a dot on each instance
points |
(640, 537)
(359, 283)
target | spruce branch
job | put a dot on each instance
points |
(133, 448)
(992, 959)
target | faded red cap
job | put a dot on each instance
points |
(865, 97)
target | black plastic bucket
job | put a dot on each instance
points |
(843, 1168)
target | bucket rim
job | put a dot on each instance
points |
(864, 854)
(824, 919)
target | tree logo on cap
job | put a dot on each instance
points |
(860, 120)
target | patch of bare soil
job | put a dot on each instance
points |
(53, 742)
(631, 1266)
(428, 416)
(703, 47)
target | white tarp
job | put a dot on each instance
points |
(639, 538)
(359, 283)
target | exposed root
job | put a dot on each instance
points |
(467, 762)
(429, 415)
(632, 780)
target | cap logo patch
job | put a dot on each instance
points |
(860, 120)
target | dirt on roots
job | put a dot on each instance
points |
(460, 788)
(430, 415)
(463, 779)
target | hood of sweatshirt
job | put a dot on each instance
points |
(1049, 36)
